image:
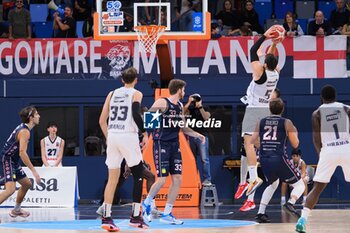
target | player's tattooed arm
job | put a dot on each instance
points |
(160, 105)
(316, 131)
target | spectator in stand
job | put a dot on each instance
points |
(81, 10)
(250, 16)
(88, 26)
(229, 18)
(215, 31)
(292, 28)
(185, 17)
(346, 31)
(339, 17)
(66, 28)
(319, 26)
(19, 22)
(4, 30)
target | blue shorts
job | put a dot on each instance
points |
(167, 158)
(279, 167)
(10, 171)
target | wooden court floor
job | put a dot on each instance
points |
(326, 218)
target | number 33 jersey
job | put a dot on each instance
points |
(52, 149)
(120, 111)
(334, 124)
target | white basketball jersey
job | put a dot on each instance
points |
(52, 149)
(297, 166)
(259, 94)
(334, 124)
(120, 111)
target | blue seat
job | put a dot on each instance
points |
(303, 24)
(79, 29)
(305, 9)
(326, 7)
(282, 7)
(38, 12)
(43, 29)
(264, 9)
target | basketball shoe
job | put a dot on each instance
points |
(108, 225)
(240, 190)
(253, 185)
(22, 213)
(248, 205)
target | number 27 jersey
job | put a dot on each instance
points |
(120, 111)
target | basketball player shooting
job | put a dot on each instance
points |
(265, 78)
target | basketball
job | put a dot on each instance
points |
(278, 33)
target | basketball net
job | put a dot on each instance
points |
(148, 36)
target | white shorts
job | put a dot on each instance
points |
(330, 158)
(251, 116)
(123, 145)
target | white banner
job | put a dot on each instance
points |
(58, 188)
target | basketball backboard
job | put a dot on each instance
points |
(115, 20)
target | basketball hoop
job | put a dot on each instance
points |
(148, 36)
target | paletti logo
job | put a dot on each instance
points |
(164, 197)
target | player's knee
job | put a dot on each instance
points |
(177, 179)
(275, 184)
(161, 181)
(26, 185)
(10, 190)
(137, 171)
(150, 177)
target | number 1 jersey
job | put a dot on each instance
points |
(334, 124)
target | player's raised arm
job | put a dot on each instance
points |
(257, 68)
(316, 131)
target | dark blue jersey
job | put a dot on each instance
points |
(273, 136)
(170, 127)
(11, 148)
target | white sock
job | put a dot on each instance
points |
(251, 197)
(304, 199)
(148, 200)
(292, 201)
(153, 204)
(305, 213)
(262, 208)
(244, 169)
(253, 172)
(283, 199)
(136, 207)
(298, 190)
(168, 208)
(267, 195)
(17, 207)
(107, 210)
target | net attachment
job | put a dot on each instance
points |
(148, 36)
